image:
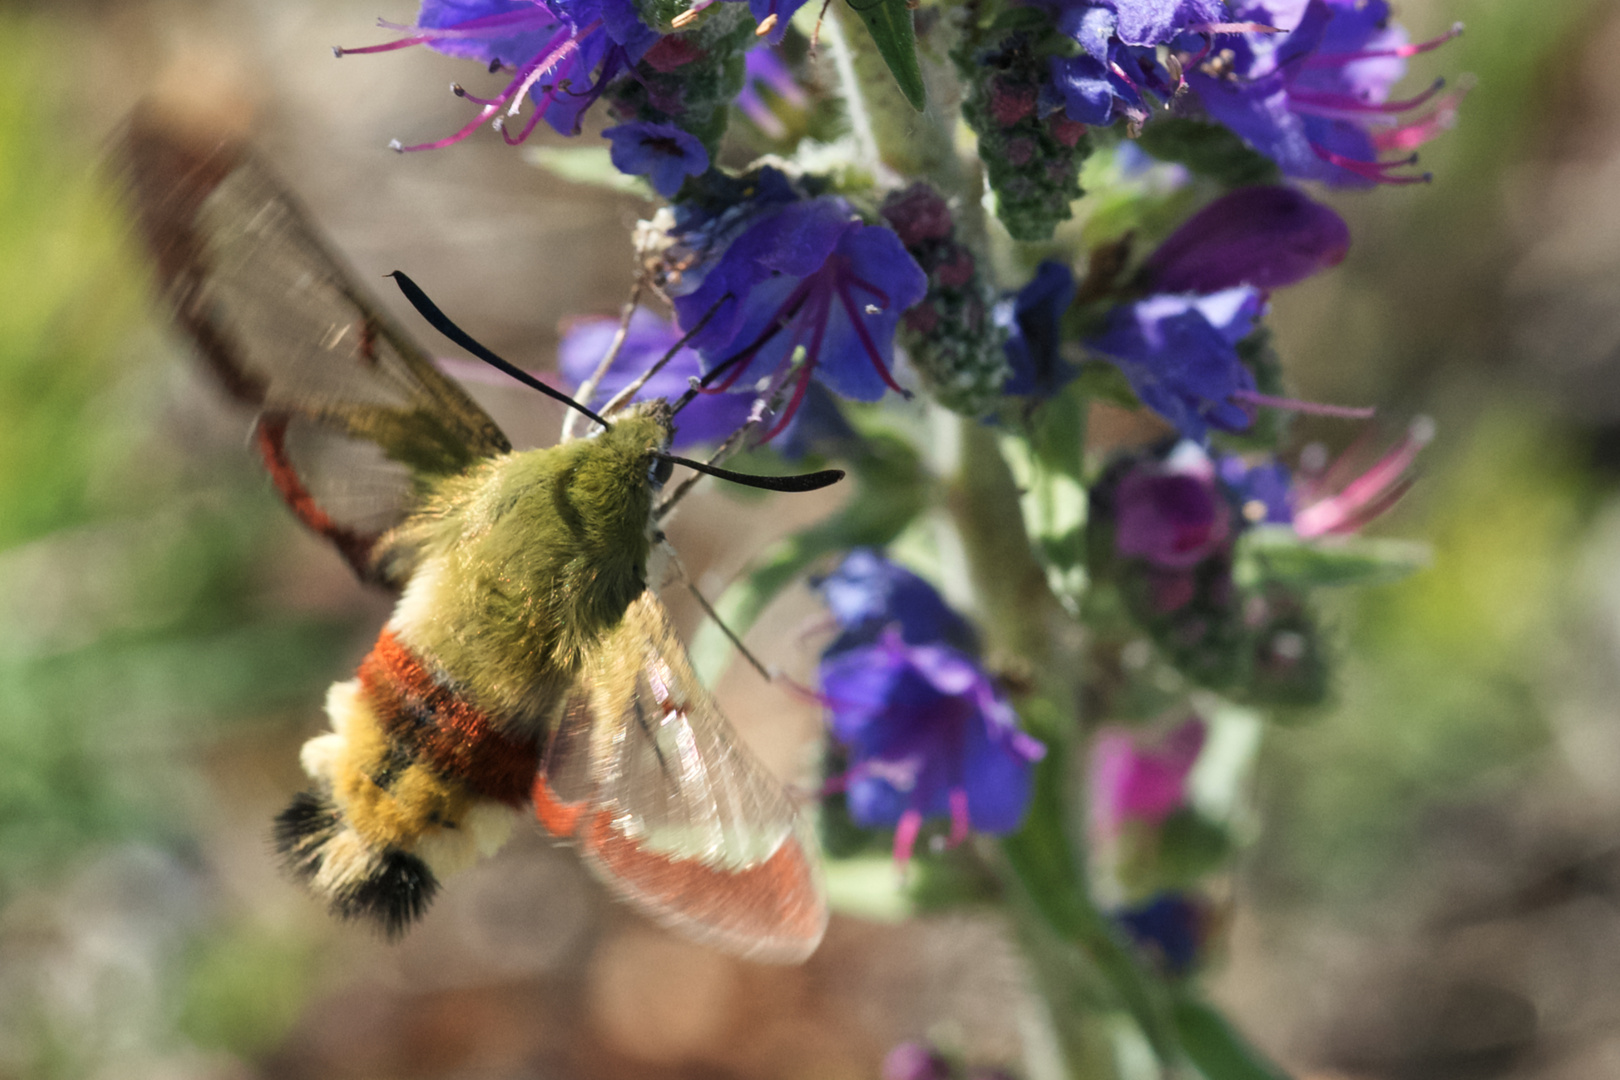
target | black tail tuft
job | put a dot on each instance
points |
(394, 896)
(388, 886)
(302, 831)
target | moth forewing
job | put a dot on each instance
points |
(673, 812)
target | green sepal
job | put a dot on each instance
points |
(1048, 464)
(1274, 553)
(1215, 1046)
(1208, 150)
(889, 23)
(891, 488)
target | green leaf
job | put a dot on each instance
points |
(1048, 465)
(889, 23)
(1276, 554)
(1215, 1046)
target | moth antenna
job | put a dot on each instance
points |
(714, 616)
(803, 482)
(441, 322)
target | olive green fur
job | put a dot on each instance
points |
(526, 561)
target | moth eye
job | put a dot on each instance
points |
(659, 472)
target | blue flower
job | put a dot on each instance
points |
(868, 594)
(1263, 492)
(663, 153)
(1118, 60)
(1180, 354)
(1033, 320)
(776, 277)
(709, 419)
(1267, 237)
(563, 54)
(1317, 99)
(1172, 926)
(929, 735)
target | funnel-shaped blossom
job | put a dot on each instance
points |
(1171, 513)
(802, 275)
(709, 419)
(868, 594)
(562, 53)
(1171, 926)
(1179, 352)
(1267, 237)
(929, 735)
(1316, 99)
(1135, 780)
(663, 153)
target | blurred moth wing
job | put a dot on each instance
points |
(363, 436)
(670, 809)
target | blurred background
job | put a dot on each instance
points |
(1433, 887)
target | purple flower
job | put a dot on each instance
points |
(764, 68)
(710, 418)
(868, 595)
(563, 54)
(1266, 237)
(1171, 514)
(808, 274)
(1264, 492)
(929, 735)
(1118, 60)
(1034, 332)
(915, 1061)
(1180, 354)
(1317, 99)
(663, 153)
(1172, 926)
(1139, 783)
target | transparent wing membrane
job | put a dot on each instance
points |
(671, 810)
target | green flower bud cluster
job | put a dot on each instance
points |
(950, 336)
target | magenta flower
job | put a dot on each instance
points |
(1265, 237)
(1134, 781)
(1171, 513)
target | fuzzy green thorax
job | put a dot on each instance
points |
(525, 561)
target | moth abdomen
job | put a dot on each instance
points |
(412, 783)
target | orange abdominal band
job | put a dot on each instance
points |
(456, 738)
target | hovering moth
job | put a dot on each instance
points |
(526, 663)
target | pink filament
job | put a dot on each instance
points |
(1346, 103)
(1310, 408)
(1400, 51)
(1377, 171)
(960, 821)
(905, 836)
(1369, 494)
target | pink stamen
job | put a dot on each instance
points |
(1310, 408)
(1411, 136)
(905, 836)
(1354, 505)
(1376, 171)
(550, 61)
(960, 822)
(461, 92)
(1326, 102)
(1401, 51)
(340, 51)
(852, 309)
(1234, 28)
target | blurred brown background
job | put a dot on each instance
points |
(1432, 887)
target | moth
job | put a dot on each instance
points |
(526, 663)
